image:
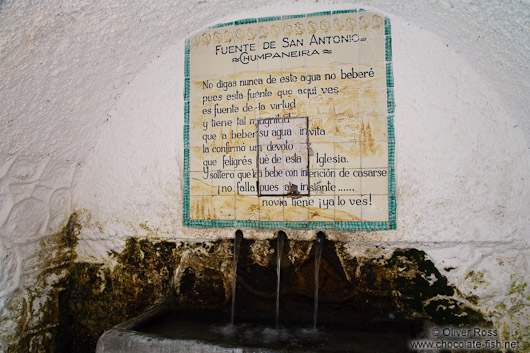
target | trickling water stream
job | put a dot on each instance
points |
(318, 253)
(281, 237)
(237, 245)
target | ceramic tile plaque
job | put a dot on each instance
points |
(289, 123)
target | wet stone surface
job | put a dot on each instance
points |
(386, 287)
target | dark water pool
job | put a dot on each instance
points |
(387, 338)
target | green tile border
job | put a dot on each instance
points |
(322, 225)
(390, 125)
(388, 48)
(391, 185)
(375, 226)
(246, 21)
(272, 225)
(338, 12)
(387, 26)
(288, 17)
(298, 225)
(391, 211)
(226, 24)
(186, 112)
(391, 153)
(186, 186)
(186, 134)
(347, 226)
(186, 137)
(187, 47)
(271, 18)
(322, 13)
(209, 223)
(246, 224)
(187, 65)
(390, 104)
(389, 75)
(186, 89)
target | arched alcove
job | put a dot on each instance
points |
(91, 150)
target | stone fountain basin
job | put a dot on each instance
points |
(161, 330)
(365, 303)
(124, 338)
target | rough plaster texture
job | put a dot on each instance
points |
(92, 120)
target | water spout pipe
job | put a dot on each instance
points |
(237, 244)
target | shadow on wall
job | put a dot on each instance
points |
(399, 286)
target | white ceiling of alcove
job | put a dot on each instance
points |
(63, 65)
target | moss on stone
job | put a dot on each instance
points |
(415, 285)
(449, 311)
(89, 298)
(517, 286)
(95, 298)
(39, 314)
(416, 278)
(204, 273)
(193, 276)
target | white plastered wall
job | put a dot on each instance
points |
(92, 120)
